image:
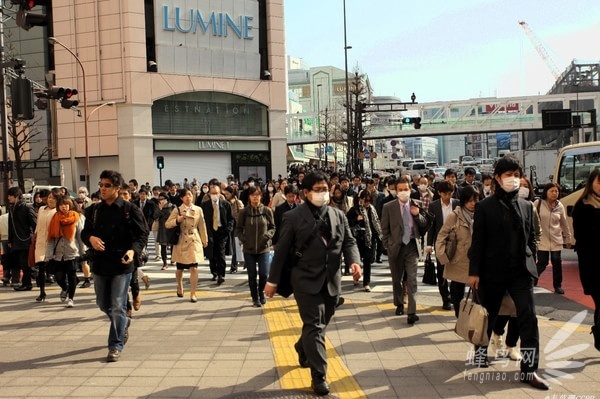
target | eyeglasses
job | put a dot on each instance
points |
(105, 185)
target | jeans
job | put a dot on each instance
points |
(263, 261)
(556, 261)
(111, 298)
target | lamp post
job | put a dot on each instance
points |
(319, 117)
(351, 139)
(54, 41)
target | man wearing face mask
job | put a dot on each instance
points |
(502, 259)
(402, 224)
(83, 193)
(316, 277)
(486, 186)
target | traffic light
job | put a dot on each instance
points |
(27, 20)
(66, 101)
(42, 100)
(56, 92)
(22, 99)
(160, 162)
(412, 120)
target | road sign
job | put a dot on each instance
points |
(361, 155)
(394, 155)
(367, 154)
(373, 154)
(329, 149)
(393, 143)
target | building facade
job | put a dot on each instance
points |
(200, 83)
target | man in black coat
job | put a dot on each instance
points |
(21, 226)
(502, 258)
(441, 208)
(291, 194)
(218, 227)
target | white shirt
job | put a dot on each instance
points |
(446, 209)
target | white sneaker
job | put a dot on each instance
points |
(514, 354)
(70, 303)
(498, 348)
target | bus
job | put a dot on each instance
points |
(573, 166)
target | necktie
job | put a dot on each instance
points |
(406, 222)
(143, 204)
(215, 216)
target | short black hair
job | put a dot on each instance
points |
(507, 163)
(470, 170)
(290, 189)
(115, 177)
(445, 187)
(468, 193)
(313, 178)
(449, 172)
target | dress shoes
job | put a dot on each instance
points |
(559, 291)
(137, 302)
(596, 333)
(412, 319)
(263, 299)
(340, 302)
(113, 355)
(302, 360)
(146, 281)
(220, 280)
(399, 310)
(321, 387)
(214, 278)
(23, 288)
(534, 380)
(256, 303)
(447, 306)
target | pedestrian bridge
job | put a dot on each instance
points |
(480, 115)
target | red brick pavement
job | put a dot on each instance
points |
(571, 283)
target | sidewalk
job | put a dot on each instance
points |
(223, 347)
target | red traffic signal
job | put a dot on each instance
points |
(27, 20)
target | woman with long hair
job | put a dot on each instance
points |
(555, 234)
(44, 216)
(255, 228)
(231, 195)
(586, 227)
(65, 246)
(162, 213)
(366, 228)
(188, 251)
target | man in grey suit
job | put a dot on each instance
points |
(402, 224)
(325, 236)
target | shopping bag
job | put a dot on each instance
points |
(429, 276)
(472, 320)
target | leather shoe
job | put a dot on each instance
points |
(113, 355)
(320, 387)
(559, 291)
(23, 288)
(302, 360)
(137, 302)
(340, 302)
(399, 310)
(534, 380)
(412, 319)
(447, 306)
(220, 280)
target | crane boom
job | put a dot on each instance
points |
(537, 43)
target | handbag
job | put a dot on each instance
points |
(174, 232)
(451, 242)
(284, 287)
(429, 276)
(31, 253)
(472, 323)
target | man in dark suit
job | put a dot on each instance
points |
(317, 276)
(378, 198)
(147, 206)
(291, 194)
(470, 179)
(218, 217)
(441, 208)
(502, 258)
(402, 224)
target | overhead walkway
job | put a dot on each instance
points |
(480, 115)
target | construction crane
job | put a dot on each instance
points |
(537, 43)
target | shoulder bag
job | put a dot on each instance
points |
(472, 320)
(451, 241)
(174, 232)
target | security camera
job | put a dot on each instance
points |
(266, 74)
(152, 66)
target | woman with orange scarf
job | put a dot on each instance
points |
(65, 246)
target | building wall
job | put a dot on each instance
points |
(109, 38)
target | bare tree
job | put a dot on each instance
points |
(21, 134)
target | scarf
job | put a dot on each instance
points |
(468, 217)
(509, 200)
(63, 225)
(368, 235)
(592, 200)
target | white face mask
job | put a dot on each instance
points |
(214, 197)
(511, 184)
(392, 192)
(250, 184)
(320, 199)
(270, 189)
(404, 196)
(81, 195)
(523, 192)
(423, 187)
(204, 190)
(487, 190)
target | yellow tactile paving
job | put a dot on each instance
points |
(284, 325)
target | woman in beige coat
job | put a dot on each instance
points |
(461, 220)
(188, 252)
(44, 216)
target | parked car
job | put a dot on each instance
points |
(431, 165)
(439, 174)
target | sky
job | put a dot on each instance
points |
(445, 50)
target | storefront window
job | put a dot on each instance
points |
(209, 114)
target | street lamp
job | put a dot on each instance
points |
(54, 41)
(319, 117)
(351, 144)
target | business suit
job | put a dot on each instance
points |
(436, 209)
(502, 254)
(316, 278)
(280, 210)
(218, 239)
(402, 257)
(149, 210)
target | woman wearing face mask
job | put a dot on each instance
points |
(526, 190)
(255, 228)
(340, 199)
(268, 195)
(555, 234)
(279, 197)
(366, 228)
(202, 195)
(586, 227)
(188, 251)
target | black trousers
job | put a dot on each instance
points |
(217, 261)
(442, 282)
(519, 284)
(19, 262)
(316, 310)
(457, 293)
(556, 260)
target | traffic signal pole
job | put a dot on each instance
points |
(5, 173)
